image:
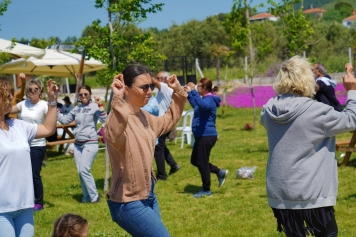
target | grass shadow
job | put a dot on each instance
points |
(100, 184)
(78, 197)
(191, 188)
(352, 163)
(350, 197)
(225, 116)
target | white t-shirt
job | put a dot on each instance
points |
(33, 113)
(164, 98)
(16, 185)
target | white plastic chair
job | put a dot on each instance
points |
(186, 128)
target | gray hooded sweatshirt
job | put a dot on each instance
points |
(86, 117)
(302, 168)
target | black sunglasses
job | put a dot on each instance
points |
(33, 89)
(84, 94)
(146, 86)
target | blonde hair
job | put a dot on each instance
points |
(5, 91)
(35, 81)
(295, 77)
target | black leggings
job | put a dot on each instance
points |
(200, 158)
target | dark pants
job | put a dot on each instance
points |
(37, 156)
(319, 222)
(200, 158)
(163, 155)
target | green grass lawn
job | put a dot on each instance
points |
(239, 208)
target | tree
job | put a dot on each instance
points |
(3, 8)
(238, 26)
(219, 51)
(296, 28)
(113, 44)
(42, 43)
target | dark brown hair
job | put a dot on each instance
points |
(208, 84)
(133, 71)
(69, 225)
(84, 87)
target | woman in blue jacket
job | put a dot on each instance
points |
(204, 102)
(86, 145)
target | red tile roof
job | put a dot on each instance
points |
(350, 18)
(314, 10)
(263, 15)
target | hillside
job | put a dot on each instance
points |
(325, 4)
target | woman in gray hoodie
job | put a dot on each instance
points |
(301, 174)
(86, 145)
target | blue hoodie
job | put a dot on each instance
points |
(204, 113)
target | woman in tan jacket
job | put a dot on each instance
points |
(131, 135)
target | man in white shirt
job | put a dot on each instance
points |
(162, 154)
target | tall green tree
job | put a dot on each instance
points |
(296, 27)
(238, 26)
(113, 43)
(3, 8)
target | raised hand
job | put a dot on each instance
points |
(348, 68)
(348, 79)
(187, 88)
(52, 90)
(118, 85)
(173, 83)
(191, 85)
(97, 100)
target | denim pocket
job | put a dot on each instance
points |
(114, 211)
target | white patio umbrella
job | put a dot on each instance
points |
(20, 50)
(53, 63)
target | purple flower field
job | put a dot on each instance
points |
(241, 96)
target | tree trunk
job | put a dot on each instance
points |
(218, 69)
(107, 158)
(252, 60)
(107, 94)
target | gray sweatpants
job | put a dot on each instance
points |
(84, 156)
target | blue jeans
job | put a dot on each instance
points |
(17, 223)
(139, 218)
(84, 157)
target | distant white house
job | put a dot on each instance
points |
(348, 21)
(264, 16)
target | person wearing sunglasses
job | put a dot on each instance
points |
(86, 146)
(34, 110)
(205, 102)
(131, 137)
